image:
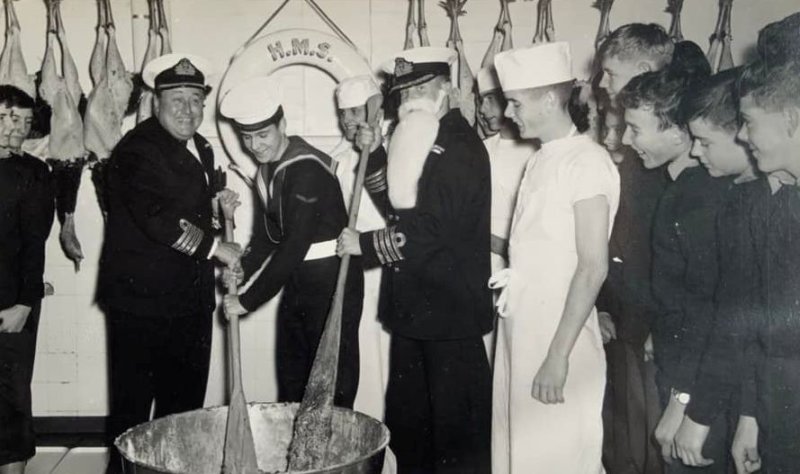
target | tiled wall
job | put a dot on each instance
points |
(70, 376)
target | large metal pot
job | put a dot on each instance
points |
(192, 442)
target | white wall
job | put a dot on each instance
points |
(70, 376)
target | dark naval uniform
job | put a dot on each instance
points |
(156, 281)
(437, 305)
(26, 215)
(303, 214)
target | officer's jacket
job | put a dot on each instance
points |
(436, 253)
(159, 231)
(301, 204)
(26, 216)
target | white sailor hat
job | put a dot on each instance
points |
(354, 91)
(487, 80)
(418, 65)
(253, 104)
(177, 70)
(535, 66)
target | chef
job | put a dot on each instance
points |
(508, 155)
(351, 99)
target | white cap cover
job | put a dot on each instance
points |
(487, 80)
(536, 66)
(354, 91)
(253, 101)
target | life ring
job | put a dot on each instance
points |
(290, 47)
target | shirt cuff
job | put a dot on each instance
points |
(213, 249)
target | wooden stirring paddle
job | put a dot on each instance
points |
(312, 426)
(239, 456)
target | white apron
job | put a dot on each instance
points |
(507, 159)
(564, 438)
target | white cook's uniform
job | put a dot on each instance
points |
(565, 438)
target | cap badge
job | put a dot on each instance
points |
(185, 68)
(402, 67)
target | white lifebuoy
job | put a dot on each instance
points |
(269, 53)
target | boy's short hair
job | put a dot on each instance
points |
(712, 99)
(778, 41)
(689, 60)
(639, 40)
(771, 87)
(11, 96)
(664, 89)
(661, 91)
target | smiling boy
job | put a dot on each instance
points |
(769, 107)
(710, 111)
(684, 245)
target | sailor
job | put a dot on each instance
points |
(434, 188)
(351, 99)
(156, 276)
(293, 246)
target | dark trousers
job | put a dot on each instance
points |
(717, 446)
(778, 415)
(17, 351)
(631, 412)
(303, 311)
(438, 405)
(162, 359)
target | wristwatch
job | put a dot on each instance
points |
(682, 397)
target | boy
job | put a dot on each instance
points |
(683, 242)
(709, 110)
(769, 107)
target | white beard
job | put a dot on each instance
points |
(408, 150)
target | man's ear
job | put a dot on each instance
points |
(156, 103)
(282, 125)
(644, 66)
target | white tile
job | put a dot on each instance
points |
(62, 399)
(40, 396)
(45, 460)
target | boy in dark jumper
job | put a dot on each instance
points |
(710, 111)
(769, 107)
(684, 249)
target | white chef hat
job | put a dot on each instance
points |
(354, 91)
(535, 66)
(177, 70)
(253, 104)
(418, 65)
(487, 80)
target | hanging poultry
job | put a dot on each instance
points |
(412, 30)
(12, 65)
(545, 29)
(464, 81)
(108, 100)
(158, 44)
(719, 53)
(501, 37)
(605, 21)
(66, 149)
(674, 8)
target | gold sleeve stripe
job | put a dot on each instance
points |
(190, 239)
(376, 242)
(388, 243)
(437, 149)
(376, 182)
